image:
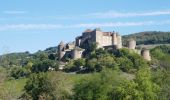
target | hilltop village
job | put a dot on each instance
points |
(105, 40)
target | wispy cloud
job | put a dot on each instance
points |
(112, 24)
(14, 12)
(29, 26)
(11, 27)
(95, 15)
(114, 14)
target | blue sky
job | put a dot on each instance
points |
(32, 25)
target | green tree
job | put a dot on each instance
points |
(141, 88)
(18, 72)
(126, 90)
(39, 87)
(124, 64)
(149, 89)
(97, 86)
(43, 66)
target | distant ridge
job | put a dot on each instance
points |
(149, 37)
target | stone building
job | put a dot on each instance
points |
(131, 44)
(69, 50)
(101, 38)
(75, 49)
(146, 54)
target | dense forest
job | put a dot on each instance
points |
(101, 75)
(149, 37)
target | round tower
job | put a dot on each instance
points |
(77, 53)
(131, 44)
(146, 54)
(114, 39)
(61, 51)
(61, 46)
(119, 41)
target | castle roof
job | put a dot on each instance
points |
(97, 29)
(87, 30)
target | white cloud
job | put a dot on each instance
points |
(15, 12)
(95, 15)
(111, 24)
(11, 27)
(113, 14)
(29, 27)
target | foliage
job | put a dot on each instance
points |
(11, 89)
(96, 87)
(125, 64)
(133, 60)
(152, 37)
(43, 66)
(39, 87)
(17, 72)
(161, 74)
(161, 52)
(14, 59)
(146, 85)
(109, 85)
(75, 65)
(62, 84)
(3, 74)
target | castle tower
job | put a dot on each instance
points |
(114, 39)
(146, 54)
(61, 51)
(77, 53)
(131, 44)
(98, 37)
(119, 41)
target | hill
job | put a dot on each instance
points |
(149, 37)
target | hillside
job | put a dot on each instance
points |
(114, 74)
(149, 37)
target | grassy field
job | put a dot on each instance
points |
(11, 89)
(64, 82)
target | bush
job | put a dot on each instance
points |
(43, 66)
(18, 72)
(39, 87)
(97, 86)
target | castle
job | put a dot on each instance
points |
(103, 39)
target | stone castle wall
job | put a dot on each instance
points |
(103, 39)
(106, 40)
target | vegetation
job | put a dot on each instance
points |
(150, 37)
(101, 75)
(161, 74)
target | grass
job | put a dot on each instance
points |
(12, 88)
(64, 82)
